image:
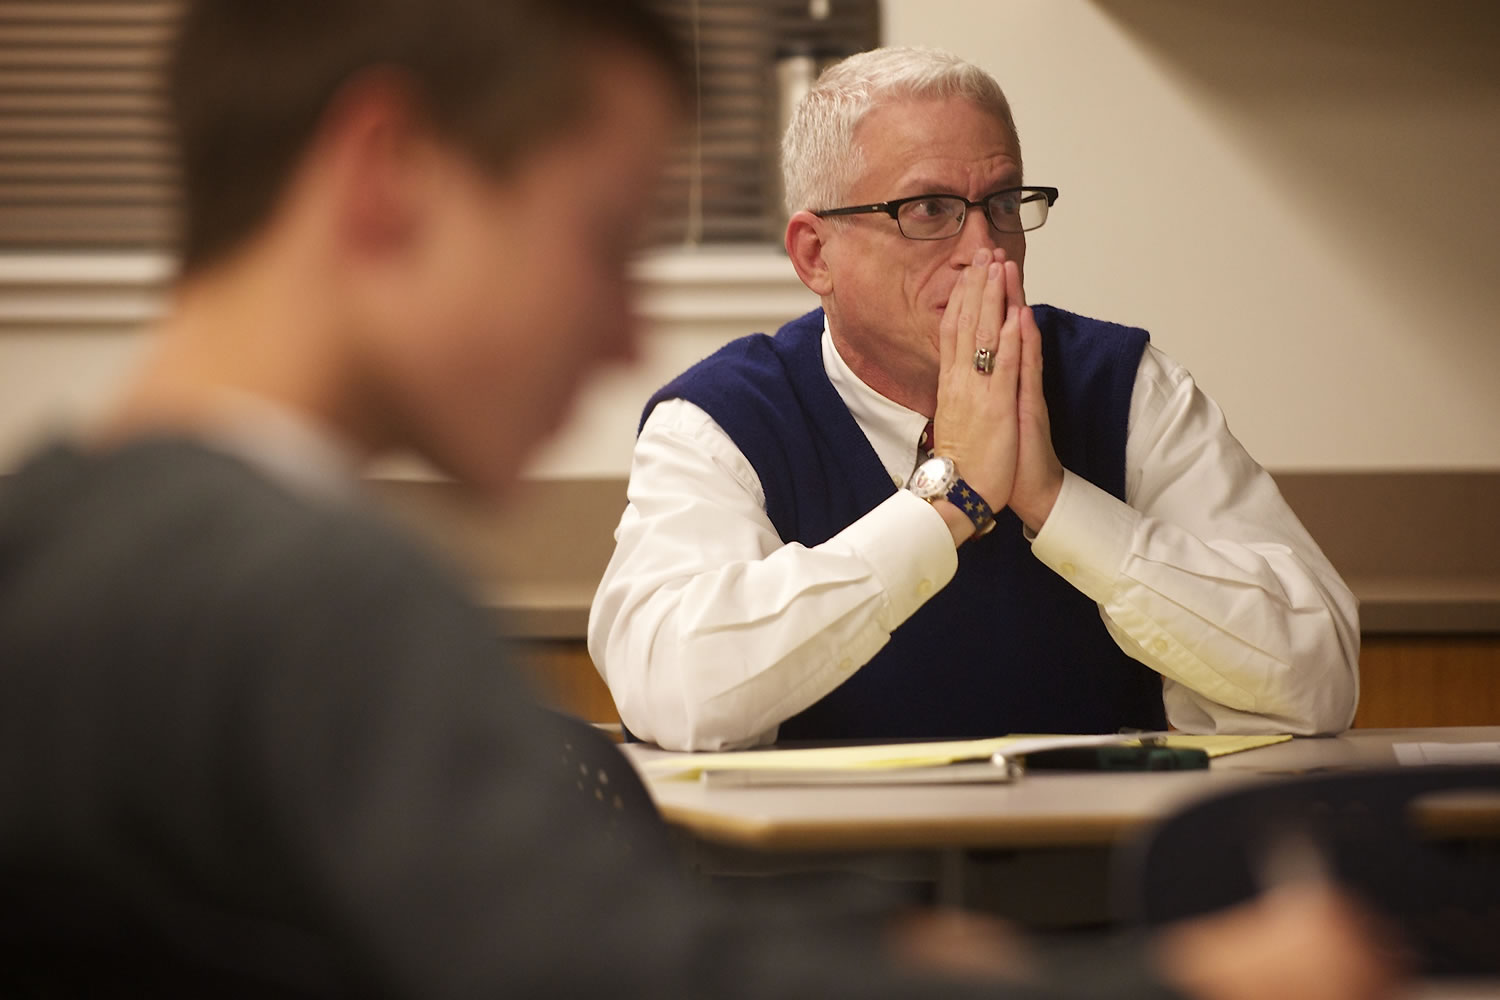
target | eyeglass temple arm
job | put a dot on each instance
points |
(879, 206)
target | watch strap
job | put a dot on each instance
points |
(966, 499)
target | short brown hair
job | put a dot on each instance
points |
(250, 80)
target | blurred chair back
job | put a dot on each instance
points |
(612, 791)
(1430, 862)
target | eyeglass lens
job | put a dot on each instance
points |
(942, 216)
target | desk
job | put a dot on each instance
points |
(1039, 811)
(1038, 851)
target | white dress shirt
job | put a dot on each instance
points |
(710, 631)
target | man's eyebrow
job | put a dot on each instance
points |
(923, 185)
(1008, 179)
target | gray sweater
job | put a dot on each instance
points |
(252, 745)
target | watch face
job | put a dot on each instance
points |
(933, 478)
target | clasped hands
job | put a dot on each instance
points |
(994, 425)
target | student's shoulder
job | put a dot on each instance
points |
(202, 512)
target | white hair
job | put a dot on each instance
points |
(819, 157)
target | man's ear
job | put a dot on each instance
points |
(381, 150)
(806, 248)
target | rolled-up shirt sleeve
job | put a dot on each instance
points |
(1206, 575)
(708, 629)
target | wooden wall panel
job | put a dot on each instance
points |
(565, 678)
(1429, 681)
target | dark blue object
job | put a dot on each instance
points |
(1143, 758)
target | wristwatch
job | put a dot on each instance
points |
(937, 479)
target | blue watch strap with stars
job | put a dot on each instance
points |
(972, 504)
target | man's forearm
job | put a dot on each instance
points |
(717, 647)
(1253, 635)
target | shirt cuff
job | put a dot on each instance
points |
(1087, 537)
(908, 545)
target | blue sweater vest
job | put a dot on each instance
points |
(1007, 646)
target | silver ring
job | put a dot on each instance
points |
(984, 361)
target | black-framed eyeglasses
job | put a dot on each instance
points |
(940, 216)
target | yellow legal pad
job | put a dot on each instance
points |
(886, 756)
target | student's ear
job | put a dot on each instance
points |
(382, 156)
(806, 247)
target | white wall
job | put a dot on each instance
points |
(1300, 200)
(69, 330)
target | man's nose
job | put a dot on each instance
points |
(975, 234)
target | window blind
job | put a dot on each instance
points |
(750, 57)
(85, 156)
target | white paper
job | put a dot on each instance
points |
(1416, 754)
(984, 772)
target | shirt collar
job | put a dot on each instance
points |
(284, 445)
(893, 430)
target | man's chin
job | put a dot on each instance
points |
(487, 469)
(491, 483)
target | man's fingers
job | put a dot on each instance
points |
(1031, 396)
(972, 281)
(1011, 340)
(948, 327)
(1039, 475)
(991, 308)
(1008, 349)
(1013, 290)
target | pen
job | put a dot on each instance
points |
(1148, 738)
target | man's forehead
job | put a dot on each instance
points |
(937, 175)
(936, 145)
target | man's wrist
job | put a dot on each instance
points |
(937, 480)
(1035, 515)
(1088, 537)
(959, 526)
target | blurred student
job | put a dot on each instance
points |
(253, 740)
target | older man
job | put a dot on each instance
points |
(1087, 548)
